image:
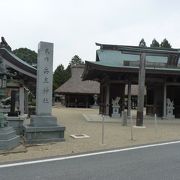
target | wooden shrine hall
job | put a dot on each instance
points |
(22, 78)
(78, 93)
(156, 70)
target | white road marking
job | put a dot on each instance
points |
(86, 155)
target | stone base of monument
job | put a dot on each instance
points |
(16, 122)
(94, 107)
(115, 113)
(43, 129)
(8, 138)
(170, 117)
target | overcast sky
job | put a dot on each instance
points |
(75, 25)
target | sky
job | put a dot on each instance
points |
(75, 25)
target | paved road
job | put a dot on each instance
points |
(152, 163)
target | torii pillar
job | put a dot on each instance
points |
(141, 86)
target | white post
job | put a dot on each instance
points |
(131, 126)
(107, 100)
(164, 102)
(129, 99)
(21, 100)
(155, 123)
(102, 129)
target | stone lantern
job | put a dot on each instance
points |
(3, 81)
(8, 137)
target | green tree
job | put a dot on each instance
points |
(26, 55)
(142, 43)
(76, 60)
(154, 43)
(59, 76)
(165, 44)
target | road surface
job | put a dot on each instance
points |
(149, 163)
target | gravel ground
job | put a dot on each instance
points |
(115, 135)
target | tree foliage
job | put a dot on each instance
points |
(76, 60)
(61, 75)
(154, 43)
(142, 43)
(165, 44)
(26, 55)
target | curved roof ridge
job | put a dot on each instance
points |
(12, 58)
(17, 58)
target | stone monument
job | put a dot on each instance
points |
(169, 108)
(43, 126)
(115, 107)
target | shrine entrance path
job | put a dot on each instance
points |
(115, 135)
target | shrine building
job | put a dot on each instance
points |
(21, 79)
(154, 70)
(78, 93)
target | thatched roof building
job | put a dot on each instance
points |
(76, 85)
(78, 93)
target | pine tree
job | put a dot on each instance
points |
(142, 43)
(165, 44)
(76, 60)
(59, 76)
(154, 43)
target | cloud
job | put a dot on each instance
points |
(75, 25)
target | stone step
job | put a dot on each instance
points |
(9, 143)
(43, 134)
(7, 133)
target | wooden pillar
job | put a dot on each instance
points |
(26, 102)
(13, 104)
(129, 99)
(21, 100)
(123, 97)
(101, 100)
(107, 99)
(87, 104)
(67, 97)
(164, 101)
(141, 86)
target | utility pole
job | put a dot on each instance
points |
(141, 86)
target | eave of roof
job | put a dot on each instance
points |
(101, 67)
(151, 50)
(83, 87)
(9, 56)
